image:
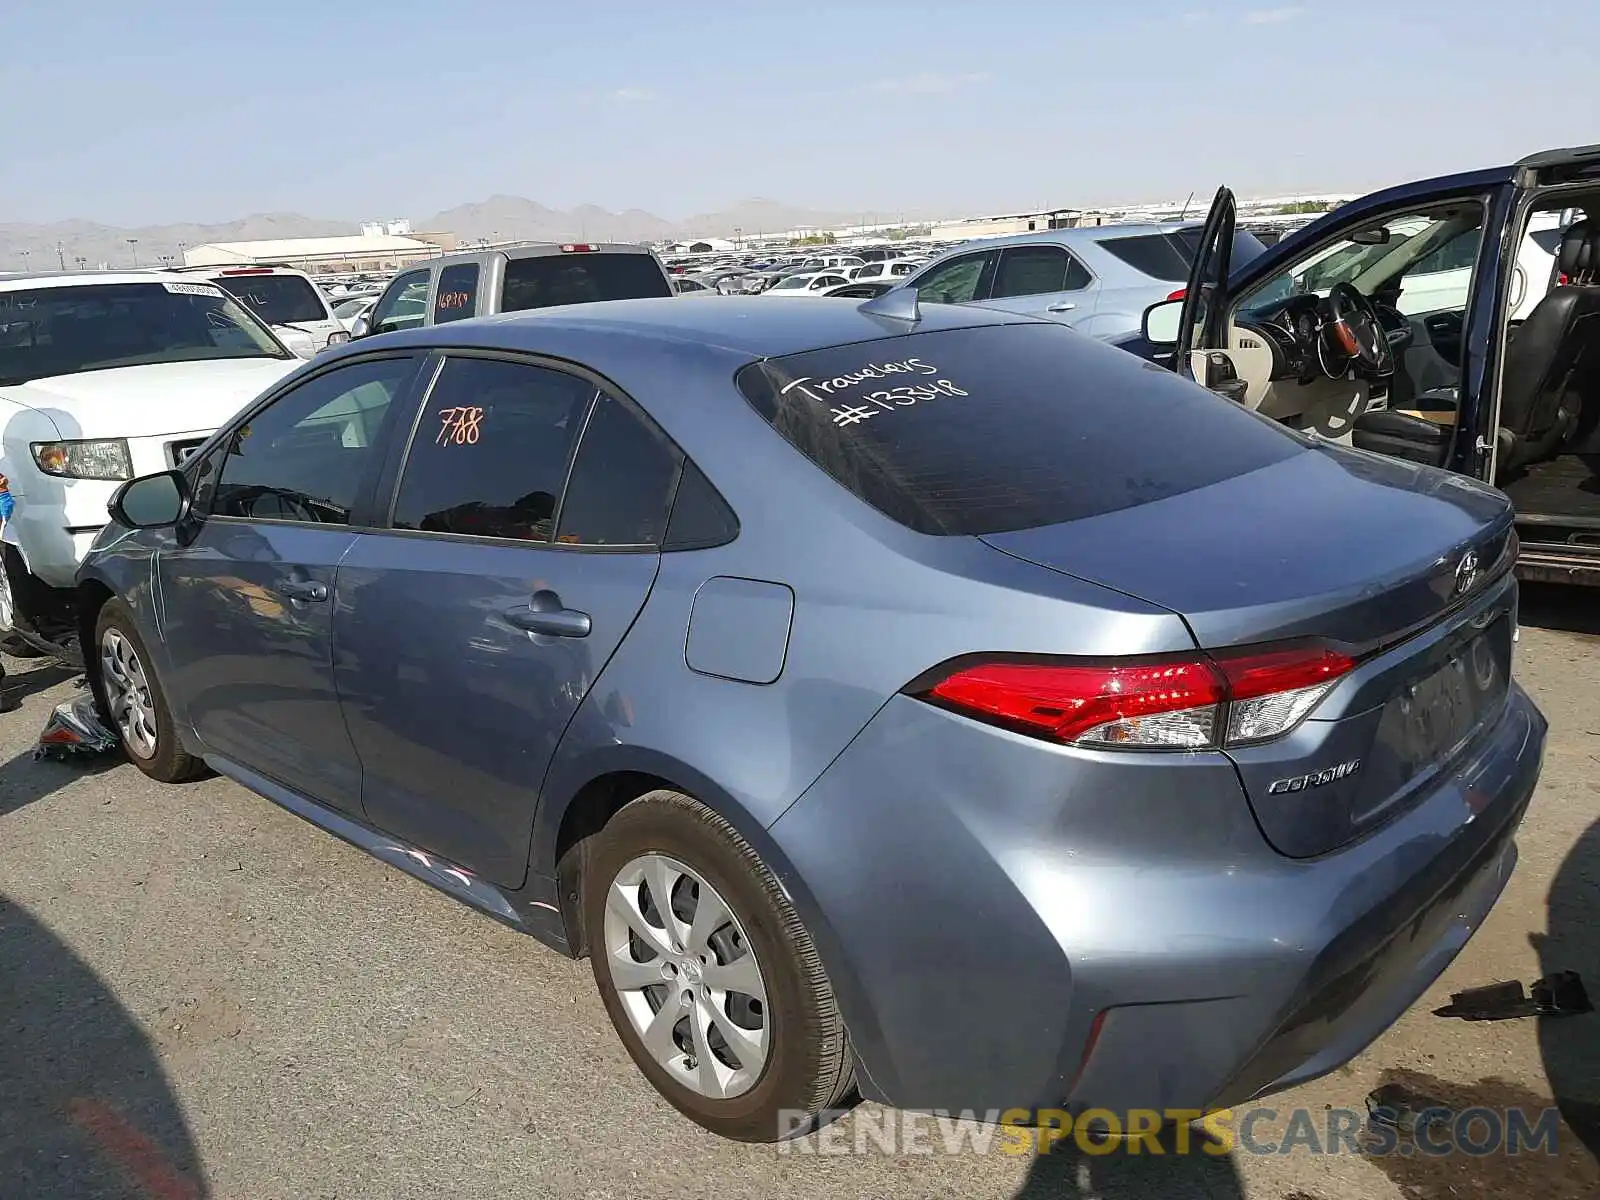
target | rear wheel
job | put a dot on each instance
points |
(131, 698)
(707, 973)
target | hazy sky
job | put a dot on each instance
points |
(166, 110)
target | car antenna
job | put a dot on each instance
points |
(899, 303)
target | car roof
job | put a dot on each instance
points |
(537, 250)
(751, 327)
(38, 279)
(1072, 237)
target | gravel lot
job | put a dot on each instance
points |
(200, 995)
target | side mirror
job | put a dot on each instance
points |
(151, 501)
(359, 328)
(1160, 325)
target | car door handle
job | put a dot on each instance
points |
(546, 615)
(1061, 308)
(304, 589)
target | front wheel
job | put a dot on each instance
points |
(131, 698)
(711, 980)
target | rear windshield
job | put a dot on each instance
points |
(93, 327)
(1004, 427)
(1168, 256)
(552, 279)
(277, 299)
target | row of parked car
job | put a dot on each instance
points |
(521, 607)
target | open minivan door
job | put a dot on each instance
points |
(1194, 324)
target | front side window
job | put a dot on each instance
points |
(95, 327)
(490, 453)
(456, 297)
(959, 281)
(1418, 261)
(307, 455)
(404, 305)
(277, 299)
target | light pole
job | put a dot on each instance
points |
(25, 254)
(80, 261)
(133, 248)
(61, 256)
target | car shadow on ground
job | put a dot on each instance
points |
(1571, 942)
(1201, 1172)
(85, 1109)
(1561, 607)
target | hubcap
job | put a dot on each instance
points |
(133, 711)
(687, 976)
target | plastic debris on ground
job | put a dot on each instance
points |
(1561, 994)
(1402, 1109)
(75, 730)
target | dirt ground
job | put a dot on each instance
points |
(201, 995)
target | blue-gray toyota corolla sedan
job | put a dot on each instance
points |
(943, 706)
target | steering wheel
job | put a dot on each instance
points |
(1352, 328)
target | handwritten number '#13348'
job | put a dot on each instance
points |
(459, 426)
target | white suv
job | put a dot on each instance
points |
(104, 377)
(285, 299)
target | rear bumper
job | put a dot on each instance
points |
(986, 903)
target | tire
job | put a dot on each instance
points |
(807, 1064)
(144, 726)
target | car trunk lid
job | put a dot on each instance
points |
(1405, 568)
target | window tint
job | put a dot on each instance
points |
(276, 299)
(403, 306)
(1038, 271)
(1159, 255)
(974, 431)
(305, 456)
(457, 294)
(552, 279)
(700, 516)
(621, 481)
(956, 282)
(490, 453)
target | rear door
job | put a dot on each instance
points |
(526, 521)
(1042, 280)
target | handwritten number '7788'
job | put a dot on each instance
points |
(459, 426)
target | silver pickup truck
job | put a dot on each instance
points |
(510, 278)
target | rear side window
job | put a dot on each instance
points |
(1004, 427)
(1038, 271)
(548, 280)
(490, 453)
(457, 295)
(622, 481)
(276, 299)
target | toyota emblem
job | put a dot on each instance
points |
(1466, 572)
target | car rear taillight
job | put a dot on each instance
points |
(1176, 703)
(1179, 294)
(577, 248)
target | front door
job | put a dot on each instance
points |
(467, 635)
(1203, 317)
(247, 594)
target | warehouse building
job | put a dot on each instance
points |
(363, 252)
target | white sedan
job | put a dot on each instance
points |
(815, 283)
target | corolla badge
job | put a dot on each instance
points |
(1466, 572)
(1316, 779)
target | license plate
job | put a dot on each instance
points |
(1432, 717)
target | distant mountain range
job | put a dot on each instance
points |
(502, 218)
